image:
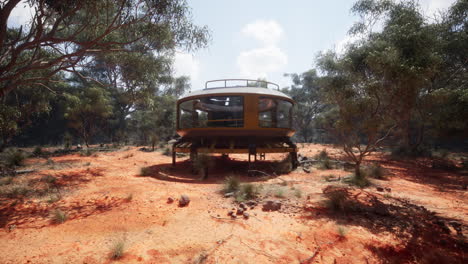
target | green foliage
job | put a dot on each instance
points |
(337, 200)
(146, 171)
(37, 151)
(279, 193)
(231, 184)
(13, 157)
(59, 216)
(374, 171)
(360, 180)
(117, 250)
(341, 231)
(247, 191)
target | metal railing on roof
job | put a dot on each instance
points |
(248, 83)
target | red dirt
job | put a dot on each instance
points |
(107, 201)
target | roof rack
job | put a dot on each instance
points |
(249, 83)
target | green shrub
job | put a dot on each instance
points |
(341, 232)
(146, 171)
(13, 157)
(323, 155)
(279, 193)
(337, 200)
(375, 171)
(325, 164)
(6, 180)
(59, 216)
(247, 191)
(231, 184)
(359, 181)
(167, 151)
(49, 179)
(117, 250)
(298, 193)
(86, 153)
(37, 151)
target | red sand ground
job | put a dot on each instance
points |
(107, 201)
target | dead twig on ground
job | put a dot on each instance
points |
(261, 252)
(309, 259)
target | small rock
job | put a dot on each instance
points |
(252, 207)
(305, 169)
(240, 211)
(230, 213)
(242, 205)
(229, 194)
(388, 189)
(271, 206)
(246, 215)
(251, 203)
(233, 216)
(184, 200)
(170, 200)
(380, 189)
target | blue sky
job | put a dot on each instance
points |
(261, 38)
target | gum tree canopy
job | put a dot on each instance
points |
(64, 35)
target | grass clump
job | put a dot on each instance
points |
(145, 171)
(375, 171)
(337, 200)
(323, 155)
(341, 231)
(15, 190)
(53, 198)
(117, 250)
(86, 153)
(279, 193)
(247, 191)
(129, 197)
(231, 184)
(298, 193)
(360, 181)
(6, 180)
(37, 151)
(13, 157)
(49, 179)
(59, 216)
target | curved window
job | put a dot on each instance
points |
(274, 113)
(213, 111)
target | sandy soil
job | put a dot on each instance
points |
(422, 219)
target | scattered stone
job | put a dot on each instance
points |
(170, 200)
(229, 194)
(252, 207)
(79, 146)
(246, 215)
(230, 213)
(271, 206)
(380, 189)
(184, 200)
(240, 211)
(388, 189)
(251, 203)
(306, 169)
(233, 216)
(242, 205)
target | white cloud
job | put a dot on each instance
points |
(269, 32)
(260, 62)
(20, 15)
(186, 64)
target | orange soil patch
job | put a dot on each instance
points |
(107, 201)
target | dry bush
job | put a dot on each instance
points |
(231, 184)
(117, 250)
(59, 216)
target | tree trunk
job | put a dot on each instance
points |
(357, 169)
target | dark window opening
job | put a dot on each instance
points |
(274, 113)
(214, 111)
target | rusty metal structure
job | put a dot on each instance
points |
(235, 116)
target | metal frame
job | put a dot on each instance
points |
(246, 81)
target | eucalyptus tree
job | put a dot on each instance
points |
(73, 31)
